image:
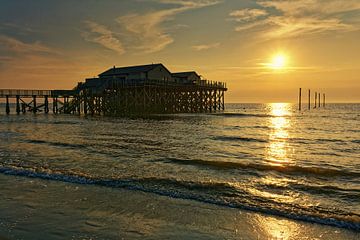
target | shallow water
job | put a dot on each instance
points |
(266, 158)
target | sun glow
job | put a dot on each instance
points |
(278, 61)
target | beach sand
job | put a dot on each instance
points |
(40, 209)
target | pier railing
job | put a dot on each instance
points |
(23, 92)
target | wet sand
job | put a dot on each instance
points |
(40, 209)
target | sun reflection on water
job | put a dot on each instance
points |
(276, 228)
(277, 150)
(277, 154)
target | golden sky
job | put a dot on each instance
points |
(49, 44)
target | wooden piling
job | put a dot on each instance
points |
(17, 104)
(23, 107)
(324, 100)
(309, 99)
(315, 99)
(299, 99)
(46, 104)
(319, 101)
(7, 105)
(34, 104)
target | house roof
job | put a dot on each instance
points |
(184, 74)
(131, 69)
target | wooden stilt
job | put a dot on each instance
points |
(46, 104)
(17, 104)
(34, 104)
(7, 105)
(309, 99)
(23, 107)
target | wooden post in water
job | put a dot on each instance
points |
(34, 103)
(315, 99)
(319, 101)
(299, 99)
(7, 105)
(223, 101)
(324, 100)
(309, 100)
(23, 107)
(86, 105)
(46, 106)
(17, 104)
(55, 105)
(65, 105)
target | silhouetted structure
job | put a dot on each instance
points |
(131, 90)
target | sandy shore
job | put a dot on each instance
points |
(39, 209)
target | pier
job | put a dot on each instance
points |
(146, 89)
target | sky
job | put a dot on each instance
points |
(51, 44)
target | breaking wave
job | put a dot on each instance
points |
(218, 193)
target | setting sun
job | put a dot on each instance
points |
(278, 61)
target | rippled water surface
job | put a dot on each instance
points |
(266, 158)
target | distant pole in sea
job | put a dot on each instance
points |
(309, 100)
(319, 100)
(315, 99)
(324, 100)
(299, 99)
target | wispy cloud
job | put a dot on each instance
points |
(33, 64)
(20, 29)
(16, 46)
(143, 32)
(275, 19)
(244, 15)
(190, 3)
(146, 29)
(301, 7)
(202, 47)
(100, 34)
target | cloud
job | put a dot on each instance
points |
(16, 46)
(190, 3)
(279, 19)
(100, 34)
(143, 32)
(205, 46)
(247, 14)
(146, 30)
(301, 7)
(35, 65)
(20, 29)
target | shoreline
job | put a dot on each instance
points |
(59, 210)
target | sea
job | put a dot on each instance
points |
(254, 171)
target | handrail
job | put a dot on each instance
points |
(117, 83)
(24, 92)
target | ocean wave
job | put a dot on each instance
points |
(327, 140)
(219, 193)
(288, 169)
(56, 144)
(59, 122)
(229, 114)
(348, 194)
(238, 139)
